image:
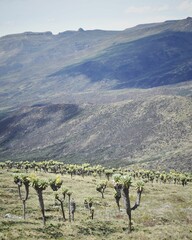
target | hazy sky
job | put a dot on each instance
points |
(18, 16)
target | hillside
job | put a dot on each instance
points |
(38, 67)
(152, 61)
(110, 97)
(155, 131)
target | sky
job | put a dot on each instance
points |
(17, 16)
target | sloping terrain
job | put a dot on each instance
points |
(155, 131)
(36, 67)
(110, 97)
(153, 61)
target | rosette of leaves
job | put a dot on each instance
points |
(117, 178)
(151, 177)
(99, 170)
(72, 170)
(126, 181)
(17, 180)
(64, 192)
(2, 165)
(117, 186)
(39, 184)
(88, 202)
(108, 173)
(183, 179)
(56, 183)
(9, 164)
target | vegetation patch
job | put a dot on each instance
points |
(62, 201)
(52, 231)
(97, 228)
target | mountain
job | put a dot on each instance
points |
(35, 67)
(153, 61)
(109, 97)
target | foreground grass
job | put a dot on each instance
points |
(165, 212)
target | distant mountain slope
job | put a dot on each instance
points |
(155, 131)
(157, 60)
(38, 66)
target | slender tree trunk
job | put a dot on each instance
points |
(72, 216)
(92, 213)
(41, 204)
(72, 209)
(137, 202)
(24, 209)
(25, 199)
(118, 205)
(63, 212)
(69, 208)
(125, 194)
(118, 195)
(26, 191)
(129, 225)
(19, 190)
(102, 194)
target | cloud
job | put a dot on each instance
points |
(146, 9)
(185, 5)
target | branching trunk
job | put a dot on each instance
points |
(24, 199)
(125, 194)
(137, 202)
(122, 185)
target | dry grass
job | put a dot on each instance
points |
(165, 212)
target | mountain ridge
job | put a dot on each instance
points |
(28, 60)
(109, 97)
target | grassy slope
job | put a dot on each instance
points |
(155, 130)
(165, 213)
